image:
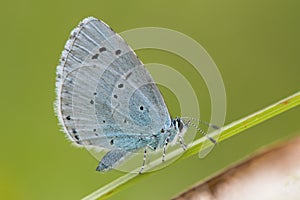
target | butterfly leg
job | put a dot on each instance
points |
(181, 141)
(144, 160)
(167, 140)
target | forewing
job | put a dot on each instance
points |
(103, 90)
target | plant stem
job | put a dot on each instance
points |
(226, 132)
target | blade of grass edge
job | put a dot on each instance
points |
(225, 133)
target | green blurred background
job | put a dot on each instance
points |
(255, 45)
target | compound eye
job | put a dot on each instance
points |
(180, 126)
(174, 122)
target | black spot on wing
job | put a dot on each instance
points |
(76, 137)
(118, 52)
(120, 85)
(95, 56)
(102, 49)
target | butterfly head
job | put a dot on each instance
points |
(179, 125)
(177, 129)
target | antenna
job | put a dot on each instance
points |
(199, 129)
(202, 122)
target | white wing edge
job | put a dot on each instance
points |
(59, 75)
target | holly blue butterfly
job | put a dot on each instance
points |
(106, 98)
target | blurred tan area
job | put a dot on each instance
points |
(273, 174)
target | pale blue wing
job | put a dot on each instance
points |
(101, 88)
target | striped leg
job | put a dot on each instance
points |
(165, 147)
(144, 160)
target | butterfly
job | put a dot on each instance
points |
(106, 98)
